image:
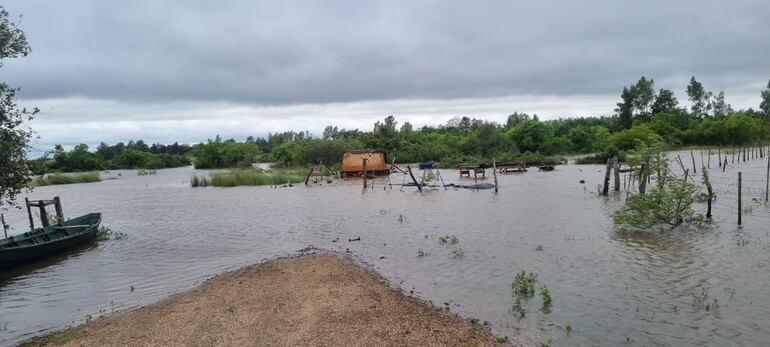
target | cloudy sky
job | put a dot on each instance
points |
(188, 70)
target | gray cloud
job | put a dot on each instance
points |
(131, 54)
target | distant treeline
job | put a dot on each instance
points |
(643, 116)
(134, 155)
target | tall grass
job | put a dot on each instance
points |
(234, 178)
(61, 178)
(199, 181)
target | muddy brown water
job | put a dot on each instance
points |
(698, 287)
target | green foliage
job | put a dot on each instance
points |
(545, 293)
(105, 233)
(524, 284)
(224, 154)
(63, 178)
(449, 239)
(134, 156)
(14, 135)
(669, 202)
(200, 181)
(232, 178)
(765, 104)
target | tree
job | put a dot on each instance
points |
(699, 97)
(14, 135)
(765, 105)
(666, 102)
(643, 96)
(625, 108)
(719, 106)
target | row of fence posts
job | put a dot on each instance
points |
(760, 152)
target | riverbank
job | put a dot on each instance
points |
(322, 299)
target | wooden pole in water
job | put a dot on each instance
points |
(5, 226)
(744, 154)
(740, 209)
(694, 170)
(494, 173)
(606, 187)
(440, 177)
(59, 212)
(476, 179)
(711, 194)
(29, 213)
(642, 179)
(617, 173)
(364, 173)
(409, 168)
(767, 179)
(708, 164)
(701, 159)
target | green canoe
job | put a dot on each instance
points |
(43, 242)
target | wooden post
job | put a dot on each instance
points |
(59, 212)
(724, 165)
(744, 154)
(694, 170)
(733, 160)
(767, 179)
(643, 180)
(43, 215)
(740, 209)
(617, 173)
(307, 179)
(5, 226)
(494, 173)
(476, 179)
(711, 194)
(365, 178)
(719, 155)
(701, 159)
(409, 168)
(708, 163)
(29, 213)
(440, 177)
(606, 188)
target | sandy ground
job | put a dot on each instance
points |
(318, 300)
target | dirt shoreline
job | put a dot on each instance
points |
(321, 300)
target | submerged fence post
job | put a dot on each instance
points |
(767, 179)
(694, 170)
(617, 173)
(643, 179)
(494, 173)
(740, 209)
(59, 212)
(409, 168)
(29, 213)
(364, 173)
(5, 226)
(606, 187)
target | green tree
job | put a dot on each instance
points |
(665, 102)
(699, 97)
(643, 96)
(14, 135)
(765, 105)
(720, 107)
(625, 109)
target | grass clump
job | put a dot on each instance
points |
(545, 293)
(105, 233)
(524, 284)
(449, 239)
(234, 178)
(199, 181)
(61, 178)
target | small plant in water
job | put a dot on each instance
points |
(449, 239)
(518, 308)
(524, 284)
(458, 252)
(569, 329)
(539, 248)
(105, 233)
(421, 253)
(546, 295)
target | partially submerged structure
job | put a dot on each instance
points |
(353, 162)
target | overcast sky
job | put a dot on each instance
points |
(114, 70)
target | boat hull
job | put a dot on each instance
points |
(11, 256)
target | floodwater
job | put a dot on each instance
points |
(700, 287)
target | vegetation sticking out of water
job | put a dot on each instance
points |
(146, 172)
(61, 178)
(523, 288)
(105, 233)
(238, 177)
